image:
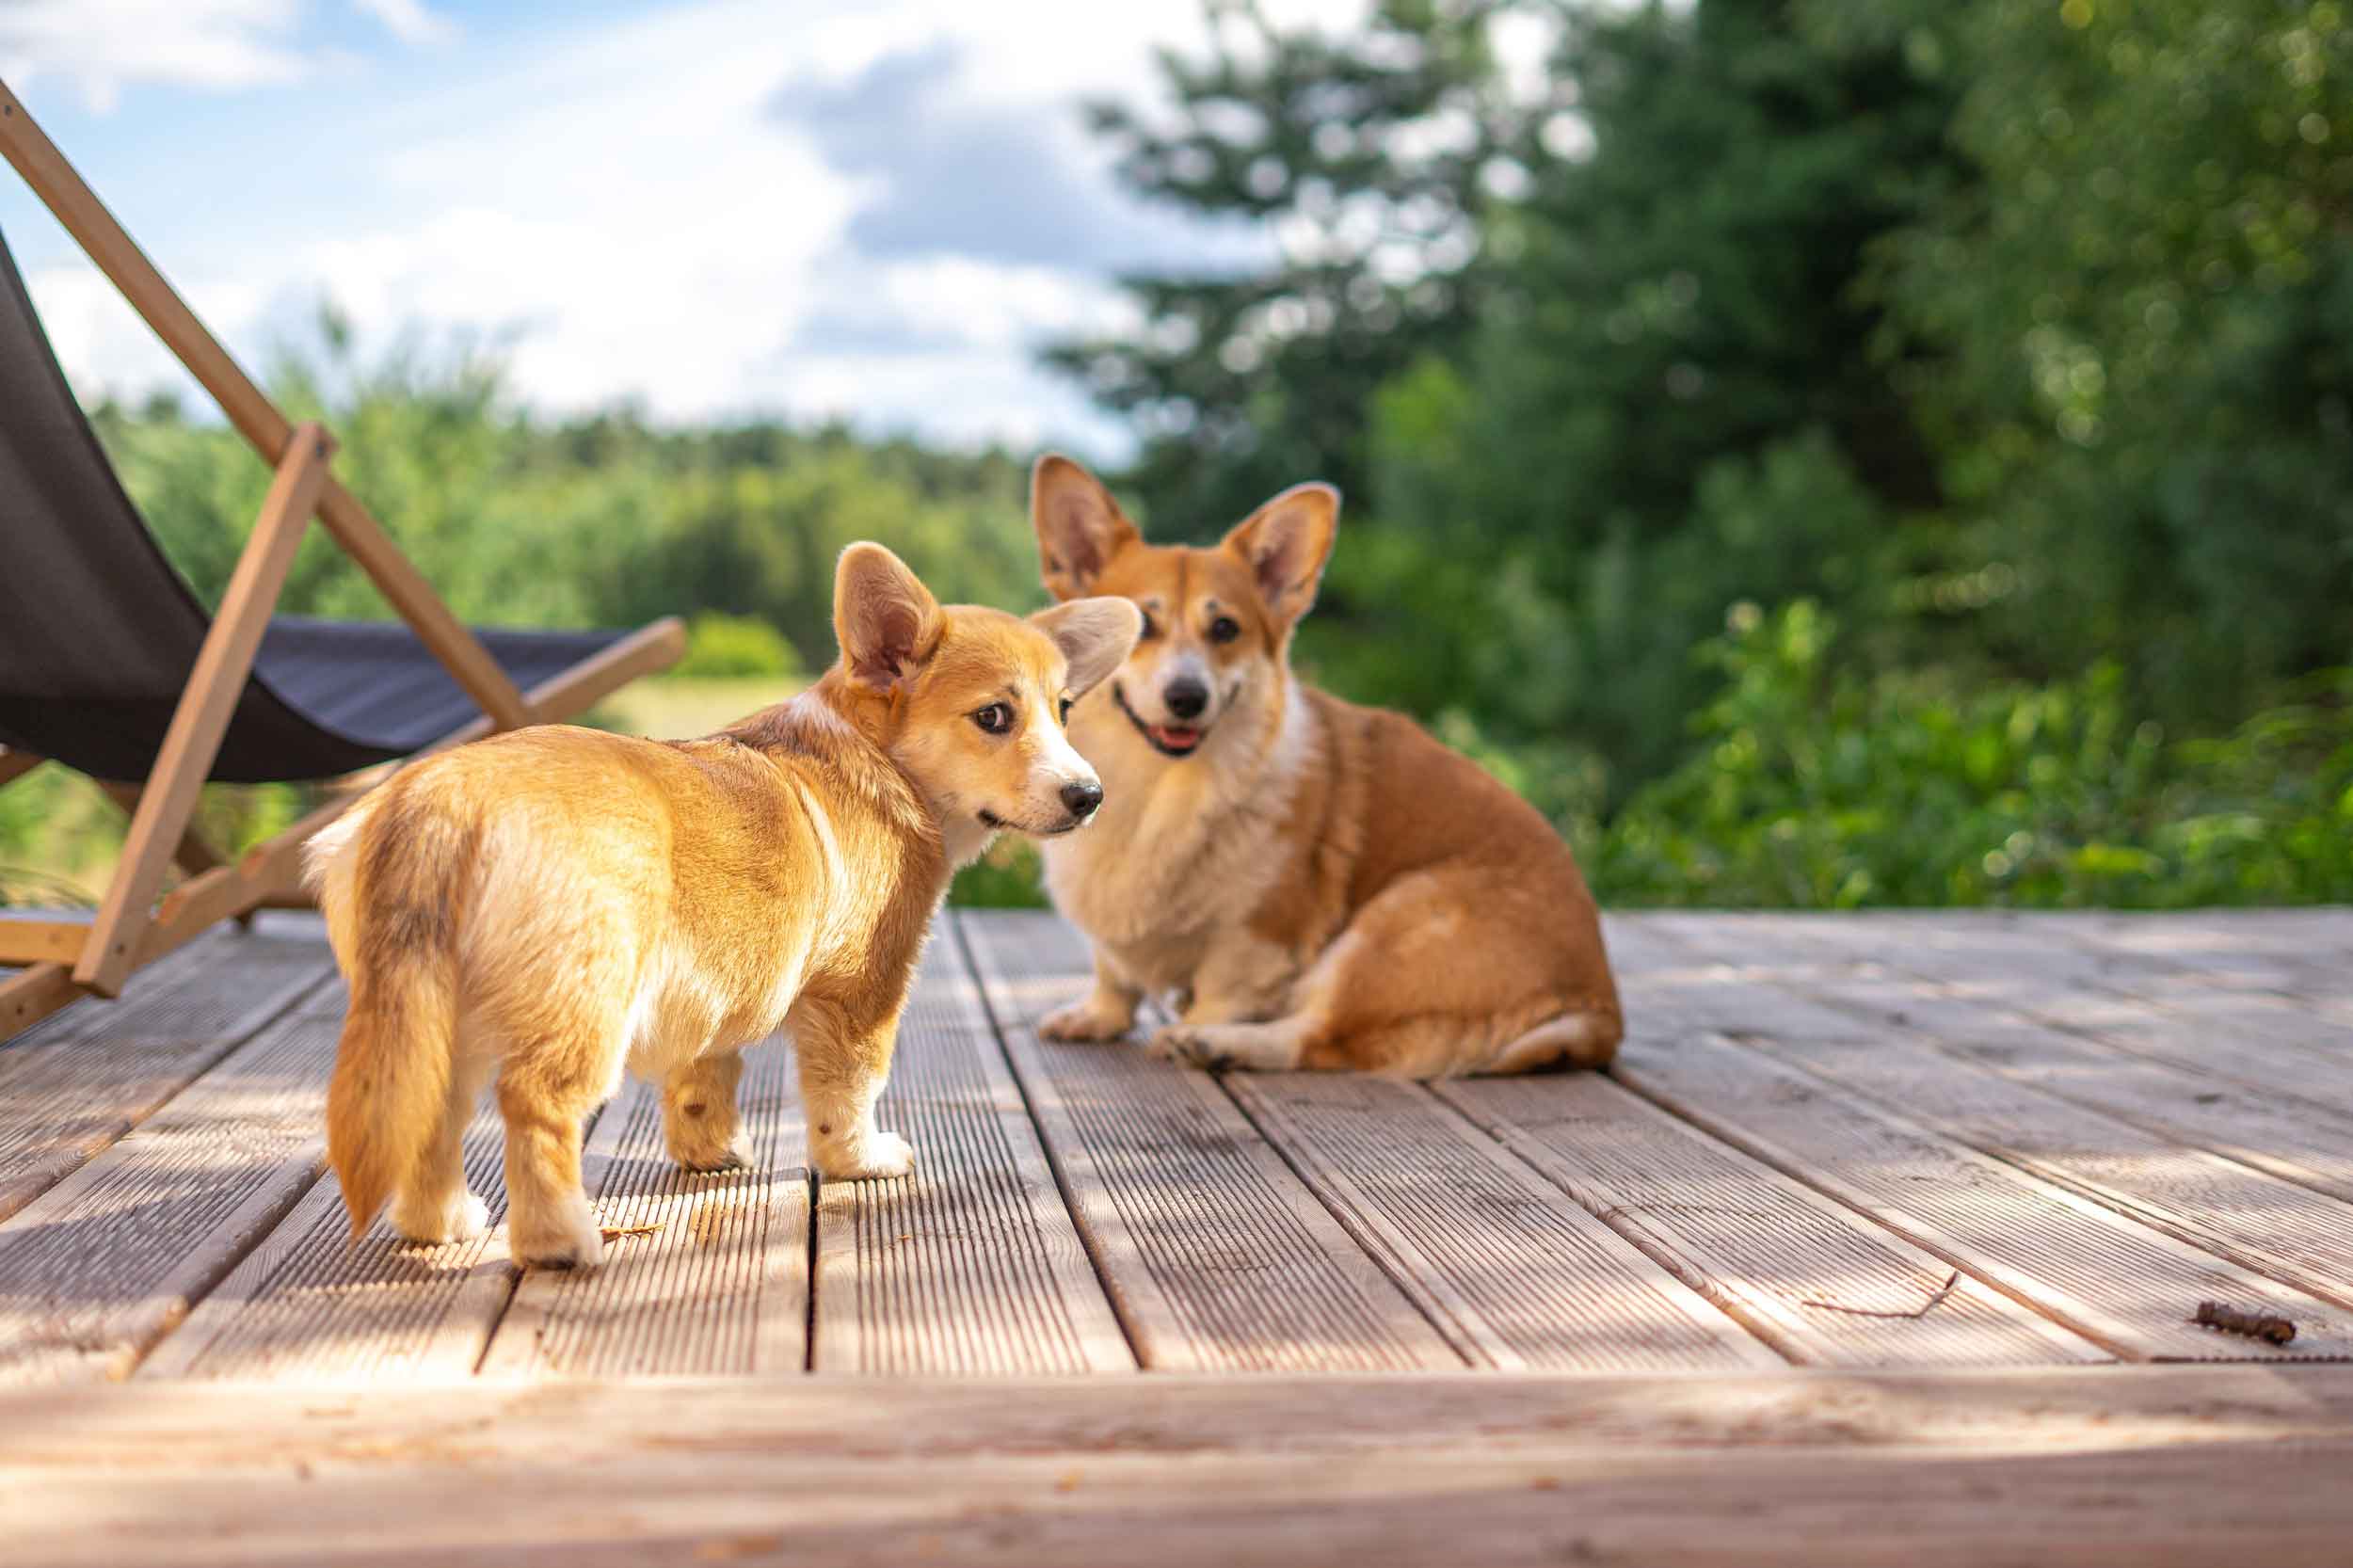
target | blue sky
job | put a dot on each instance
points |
(709, 207)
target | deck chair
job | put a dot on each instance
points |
(110, 665)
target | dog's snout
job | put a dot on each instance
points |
(1082, 795)
(1185, 696)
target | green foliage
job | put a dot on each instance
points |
(1368, 157)
(720, 645)
(1816, 786)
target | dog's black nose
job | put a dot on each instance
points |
(1185, 697)
(1083, 798)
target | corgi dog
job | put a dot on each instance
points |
(1308, 883)
(554, 904)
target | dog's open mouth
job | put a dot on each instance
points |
(1169, 740)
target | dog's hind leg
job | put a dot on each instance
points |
(700, 1120)
(432, 1205)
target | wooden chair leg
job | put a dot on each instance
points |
(203, 717)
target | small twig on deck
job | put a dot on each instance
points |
(613, 1233)
(1926, 1307)
(2255, 1325)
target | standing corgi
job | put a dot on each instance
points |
(554, 904)
(1314, 884)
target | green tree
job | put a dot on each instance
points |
(1369, 158)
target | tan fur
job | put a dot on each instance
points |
(555, 904)
(1315, 884)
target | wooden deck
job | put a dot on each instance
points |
(1873, 1248)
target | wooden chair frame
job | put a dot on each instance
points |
(69, 959)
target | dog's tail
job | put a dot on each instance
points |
(384, 883)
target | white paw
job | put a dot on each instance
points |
(737, 1156)
(1083, 1020)
(877, 1157)
(567, 1238)
(456, 1219)
(1180, 1043)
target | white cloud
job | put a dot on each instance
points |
(409, 19)
(626, 209)
(104, 46)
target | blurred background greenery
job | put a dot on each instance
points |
(1831, 452)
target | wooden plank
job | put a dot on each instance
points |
(23, 940)
(97, 1269)
(2255, 1130)
(1215, 1253)
(971, 1263)
(2264, 1044)
(77, 1084)
(1514, 1272)
(308, 1303)
(28, 996)
(1752, 1239)
(2256, 1221)
(2125, 1466)
(720, 1284)
(200, 719)
(2127, 1287)
(2253, 1219)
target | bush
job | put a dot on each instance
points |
(1815, 786)
(721, 647)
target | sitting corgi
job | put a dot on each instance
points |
(1313, 883)
(555, 903)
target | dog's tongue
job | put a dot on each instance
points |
(1175, 737)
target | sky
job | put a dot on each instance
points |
(869, 209)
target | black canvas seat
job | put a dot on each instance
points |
(99, 633)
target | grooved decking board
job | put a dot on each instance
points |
(1753, 1240)
(75, 1082)
(2252, 1218)
(971, 1263)
(2121, 1284)
(2265, 1044)
(1215, 1253)
(306, 1304)
(1515, 1273)
(2257, 1130)
(101, 1266)
(721, 1287)
(2125, 1466)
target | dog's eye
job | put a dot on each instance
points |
(996, 718)
(1065, 711)
(1151, 629)
(1224, 629)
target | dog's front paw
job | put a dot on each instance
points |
(1182, 1043)
(735, 1155)
(459, 1217)
(877, 1157)
(567, 1239)
(1084, 1021)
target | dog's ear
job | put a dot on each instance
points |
(886, 622)
(1286, 543)
(1095, 634)
(1080, 527)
